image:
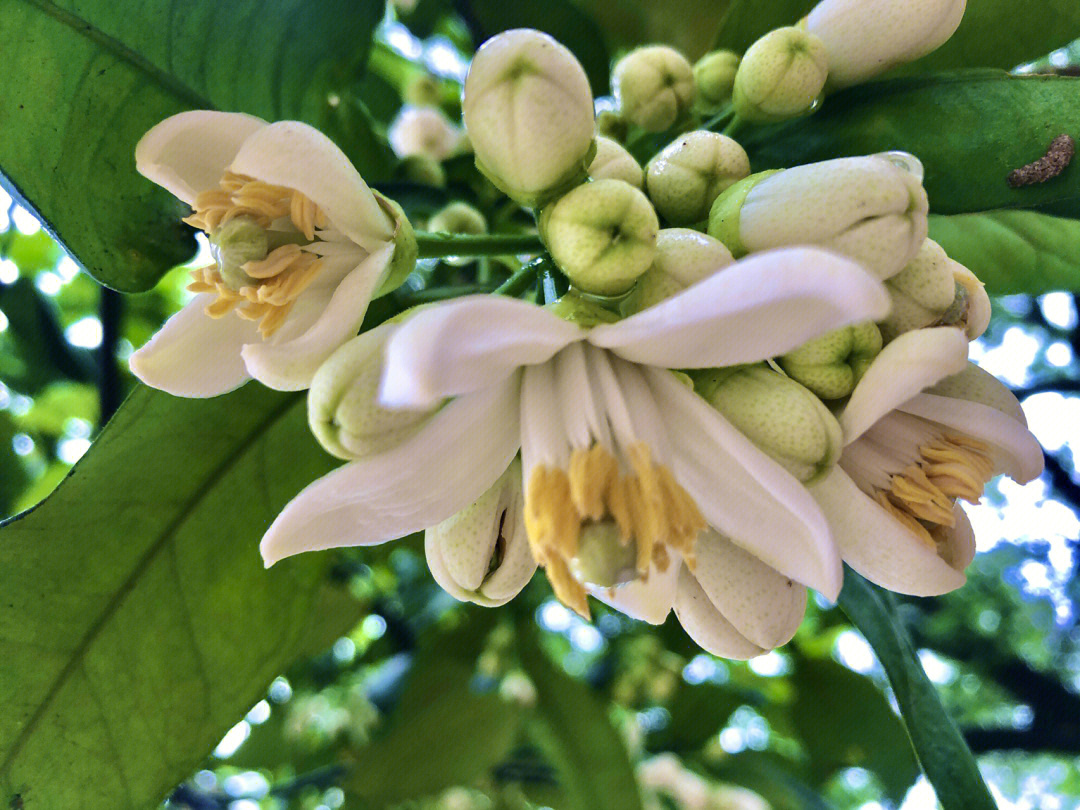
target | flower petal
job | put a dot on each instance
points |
(467, 344)
(977, 385)
(763, 605)
(743, 493)
(757, 308)
(297, 156)
(877, 545)
(706, 626)
(1016, 451)
(645, 601)
(188, 152)
(290, 364)
(438, 471)
(194, 355)
(913, 361)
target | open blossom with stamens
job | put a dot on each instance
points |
(623, 464)
(300, 243)
(923, 429)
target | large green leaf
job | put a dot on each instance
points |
(748, 20)
(942, 752)
(1013, 251)
(688, 25)
(969, 128)
(83, 80)
(573, 731)
(138, 623)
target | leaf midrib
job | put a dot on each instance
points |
(119, 49)
(79, 653)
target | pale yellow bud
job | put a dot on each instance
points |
(614, 162)
(423, 131)
(683, 257)
(654, 86)
(714, 74)
(686, 177)
(781, 76)
(832, 364)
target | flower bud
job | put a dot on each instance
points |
(423, 131)
(458, 218)
(422, 170)
(603, 235)
(604, 558)
(575, 309)
(482, 554)
(613, 162)
(864, 38)
(406, 251)
(686, 177)
(780, 416)
(714, 75)
(781, 76)
(611, 124)
(529, 112)
(831, 364)
(654, 86)
(867, 208)
(422, 91)
(683, 257)
(343, 402)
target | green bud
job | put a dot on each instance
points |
(235, 243)
(714, 74)
(921, 293)
(603, 558)
(724, 216)
(654, 86)
(576, 309)
(832, 364)
(422, 91)
(602, 235)
(683, 257)
(613, 162)
(406, 251)
(686, 177)
(780, 416)
(458, 217)
(423, 170)
(611, 124)
(781, 76)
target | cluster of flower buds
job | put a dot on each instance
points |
(753, 377)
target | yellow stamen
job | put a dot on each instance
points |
(646, 503)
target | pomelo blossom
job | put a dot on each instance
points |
(922, 429)
(301, 245)
(623, 465)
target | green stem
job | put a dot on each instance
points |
(438, 245)
(945, 757)
(523, 278)
(721, 117)
(733, 126)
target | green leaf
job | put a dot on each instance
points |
(970, 129)
(778, 780)
(138, 623)
(687, 25)
(942, 752)
(748, 20)
(1004, 34)
(571, 728)
(1013, 251)
(698, 712)
(845, 722)
(561, 18)
(83, 81)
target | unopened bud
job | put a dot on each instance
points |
(482, 554)
(971, 309)
(235, 243)
(343, 402)
(576, 309)
(714, 75)
(683, 257)
(611, 124)
(781, 76)
(864, 38)
(654, 86)
(613, 162)
(422, 91)
(423, 170)
(458, 218)
(869, 209)
(406, 251)
(423, 131)
(783, 418)
(604, 558)
(529, 113)
(603, 235)
(832, 364)
(686, 177)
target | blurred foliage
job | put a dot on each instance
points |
(390, 694)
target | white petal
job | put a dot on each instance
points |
(1016, 451)
(759, 307)
(294, 155)
(912, 362)
(645, 601)
(877, 545)
(467, 344)
(704, 624)
(438, 471)
(440, 571)
(189, 152)
(289, 365)
(745, 494)
(194, 355)
(763, 605)
(977, 385)
(961, 540)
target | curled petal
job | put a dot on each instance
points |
(649, 601)
(705, 624)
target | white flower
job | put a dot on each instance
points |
(302, 246)
(922, 428)
(608, 437)
(424, 131)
